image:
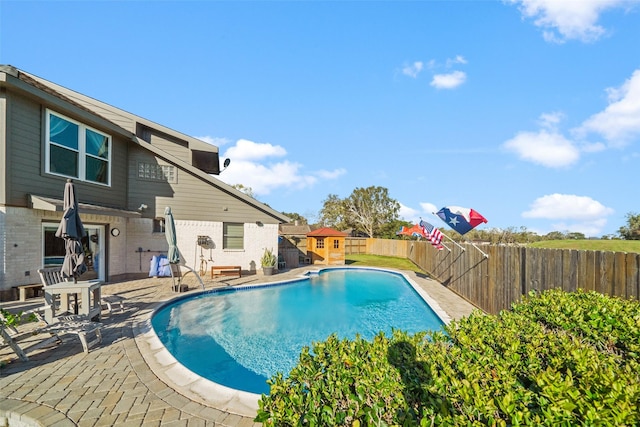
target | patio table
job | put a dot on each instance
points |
(89, 291)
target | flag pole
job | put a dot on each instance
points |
(455, 243)
(467, 241)
(443, 245)
(452, 241)
(430, 241)
(479, 250)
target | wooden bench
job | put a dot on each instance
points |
(29, 291)
(226, 270)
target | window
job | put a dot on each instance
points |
(336, 244)
(319, 243)
(76, 150)
(153, 172)
(232, 235)
(158, 225)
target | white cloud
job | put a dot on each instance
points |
(567, 207)
(414, 215)
(218, 142)
(546, 148)
(249, 150)
(428, 208)
(459, 59)
(413, 70)
(620, 121)
(449, 81)
(594, 147)
(562, 20)
(588, 228)
(336, 173)
(551, 120)
(408, 214)
(571, 213)
(250, 167)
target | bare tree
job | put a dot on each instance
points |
(369, 209)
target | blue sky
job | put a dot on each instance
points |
(527, 111)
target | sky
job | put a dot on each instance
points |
(527, 111)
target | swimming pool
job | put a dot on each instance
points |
(240, 337)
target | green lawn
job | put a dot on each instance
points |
(592, 245)
(382, 261)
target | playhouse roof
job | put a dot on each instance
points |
(326, 232)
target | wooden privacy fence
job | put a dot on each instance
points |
(509, 272)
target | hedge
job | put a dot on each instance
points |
(555, 359)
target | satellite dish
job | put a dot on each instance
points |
(225, 164)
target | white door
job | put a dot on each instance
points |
(93, 244)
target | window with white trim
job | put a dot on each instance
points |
(232, 235)
(76, 150)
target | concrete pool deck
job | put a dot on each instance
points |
(129, 379)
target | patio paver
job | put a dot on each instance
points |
(121, 381)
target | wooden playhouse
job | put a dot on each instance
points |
(326, 246)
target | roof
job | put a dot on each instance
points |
(104, 113)
(57, 205)
(294, 230)
(326, 232)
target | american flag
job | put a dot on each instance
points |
(433, 234)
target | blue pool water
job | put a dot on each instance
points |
(241, 337)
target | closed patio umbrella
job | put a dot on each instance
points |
(173, 255)
(170, 233)
(72, 231)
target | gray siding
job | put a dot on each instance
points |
(102, 109)
(191, 198)
(175, 148)
(26, 156)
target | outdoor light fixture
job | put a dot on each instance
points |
(142, 207)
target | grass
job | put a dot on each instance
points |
(382, 261)
(632, 246)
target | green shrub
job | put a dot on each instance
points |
(527, 366)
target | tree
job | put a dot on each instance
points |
(389, 230)
(332, 213)
(632, 230)
(369, 209)
(245, 189)
(575, 235)
(555, 235)
(296, 217)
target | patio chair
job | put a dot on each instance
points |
(282, 264)
(52, 275)
(12, 335)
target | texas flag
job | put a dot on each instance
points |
(460, 219)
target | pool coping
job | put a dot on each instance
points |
(191, 385)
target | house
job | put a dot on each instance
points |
(326, 246)
(126, 170)
(292, 245)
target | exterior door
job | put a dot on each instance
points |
(93, 244)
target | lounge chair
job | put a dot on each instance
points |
(65, 325)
